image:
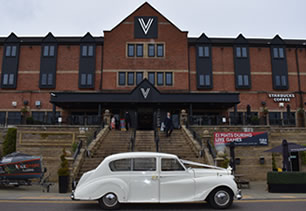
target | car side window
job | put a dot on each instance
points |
(144, 164)
(120, 165)
(169, 164)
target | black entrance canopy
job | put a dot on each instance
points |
(143, 93)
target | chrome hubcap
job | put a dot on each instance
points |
(222, 198)
(110, 200)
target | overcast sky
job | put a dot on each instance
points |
(216, 18)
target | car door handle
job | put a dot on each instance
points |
(154, 177)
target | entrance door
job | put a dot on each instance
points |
(295, 161)
(145, 119)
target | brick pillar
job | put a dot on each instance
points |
(183, 117)
(107, 117)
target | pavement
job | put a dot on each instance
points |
(256, 191)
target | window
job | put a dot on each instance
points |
(50, 116)
(241, 52)
(48, 50)
(120, 165)
(281, 81)
(275, 118)
(2, 118)
(47, 79)
(168, 79)
(130, 78)
(86, 79)
(168, 164)
(278, 53)
(204, 80)
(8, 79)
(139, 77)
(131, 50)
(203, 51)
(10, 51)
(139, 50)
(144, 164)
(87, 50)
(151, 78)
(160, 79)
(243, 80)
(290, 120)
(13, 118)
(160, 50)
(151, 50)
(121, 78)
(38, 117)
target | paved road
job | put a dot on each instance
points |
(250, 205)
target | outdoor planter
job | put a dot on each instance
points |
(63, 184)
(286, 182)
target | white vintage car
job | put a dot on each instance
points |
(149, 177)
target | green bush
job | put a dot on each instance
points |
(286, 177)
(64, 169)
(9, 143)
(303, 157)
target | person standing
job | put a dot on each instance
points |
(168, 125)
(127, 121)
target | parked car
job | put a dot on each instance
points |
(149, 177)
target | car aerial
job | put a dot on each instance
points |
(149, 177)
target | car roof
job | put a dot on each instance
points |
(139, 154)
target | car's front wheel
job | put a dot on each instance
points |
(221, 198)
(109, 201)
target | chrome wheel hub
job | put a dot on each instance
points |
(222, 198)
(110, 200)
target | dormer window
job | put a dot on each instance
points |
(10, 51)
(49, 50)
(87, 50)
(278, 53)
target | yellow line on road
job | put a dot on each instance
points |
(48, 202)
(270, 200)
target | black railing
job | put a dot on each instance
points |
(77, 151)
(132, 140)
(156, 139)
(211, 150)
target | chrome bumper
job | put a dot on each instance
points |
(239, 194)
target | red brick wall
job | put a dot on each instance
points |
(176, 51)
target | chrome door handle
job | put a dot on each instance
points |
(154, 177)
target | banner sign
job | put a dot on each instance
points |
(241, 138)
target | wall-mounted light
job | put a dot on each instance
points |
(281, 105)
(223, 119)
(262, 160)
(263, 103)
(14, 103)
(60, 119)
(38, 104)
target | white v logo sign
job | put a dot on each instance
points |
(144, 92)
(145, 26)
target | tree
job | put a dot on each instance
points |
(9, 144)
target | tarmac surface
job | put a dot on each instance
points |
(256, 191)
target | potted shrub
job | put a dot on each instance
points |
(63, 174)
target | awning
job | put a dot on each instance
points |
(144, 93)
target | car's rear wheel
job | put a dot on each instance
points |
(221, 198)
(109, 201)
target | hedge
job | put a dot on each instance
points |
(286, 178)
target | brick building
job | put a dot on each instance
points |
(147, 66)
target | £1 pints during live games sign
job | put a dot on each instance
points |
(241, 138)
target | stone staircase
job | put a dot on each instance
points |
(145, 141)
(179, 145)
(114, 142)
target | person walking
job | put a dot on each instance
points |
(127, 121)
(168, 125)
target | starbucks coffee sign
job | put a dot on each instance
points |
(281, 97)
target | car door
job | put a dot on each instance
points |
(176, 183)
(143, 180)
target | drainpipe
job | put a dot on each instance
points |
(299, 83)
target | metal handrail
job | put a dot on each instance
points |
(132, 140)
(77, 151)
(156, 139)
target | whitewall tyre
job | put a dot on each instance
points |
(221, 198)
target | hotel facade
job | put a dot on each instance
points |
(147, 66)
